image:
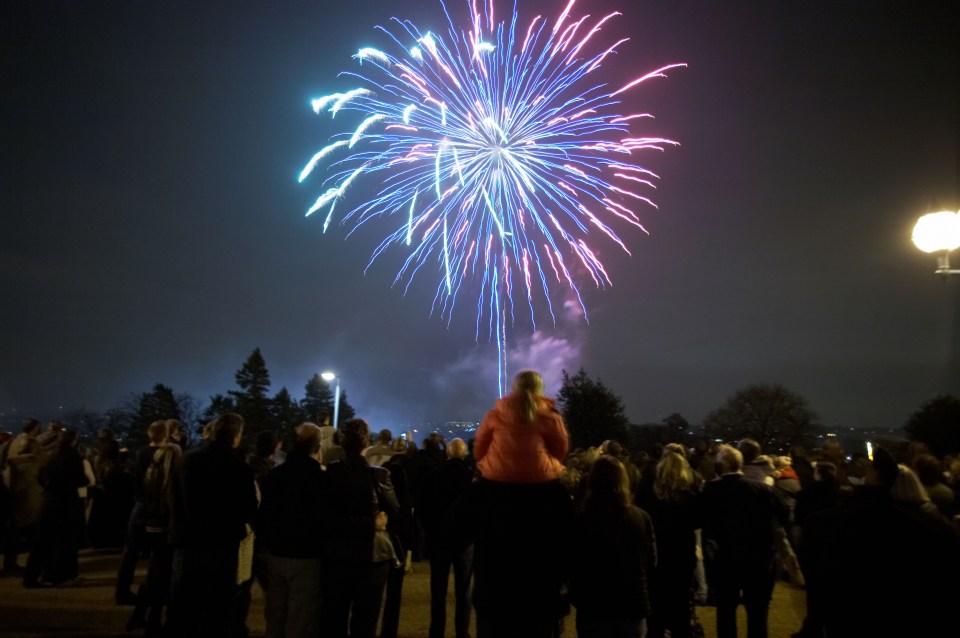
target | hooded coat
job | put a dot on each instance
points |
(511, 450)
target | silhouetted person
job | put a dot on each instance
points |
(520, 515)
(136, 539)
(54, 555)
(614, 554)
(443, 488)
(903, 557)
(20, 460)
(213, 499)
(290, 526)
(740, 519)
(358, 550)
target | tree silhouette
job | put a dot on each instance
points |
(592, 412)
(773, 415)
(937, 423)
(286, 412)
(318, 397)
(252, 402)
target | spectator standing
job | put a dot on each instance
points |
(671, 507)
(442, 492)
(380, 452)
(928, 471)
(152, 596)
(54, 555)
(358, 551)
(20, 460)
(614, 553)
(136, 540)
(740, 518)
(290, 527)
(895, 549)
(403, 534)
(213, 500)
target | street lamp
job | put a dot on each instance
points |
(328, 377)
(939, 233)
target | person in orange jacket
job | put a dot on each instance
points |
(523, 438)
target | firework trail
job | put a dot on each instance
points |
(501, 154)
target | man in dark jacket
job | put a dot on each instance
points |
(213, 499)
(289, 524)
(358, 550)
(740, 518)
(442, 490)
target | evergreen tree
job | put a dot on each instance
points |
(346, 410)
(592, 412)
(286, 413)
(252, 402)
(318, 397)
(219, 404)
(158, 404)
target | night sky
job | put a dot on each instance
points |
(152, 228)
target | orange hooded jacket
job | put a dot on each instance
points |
(511, 450)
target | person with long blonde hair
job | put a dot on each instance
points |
(671, 506)
(520, 514)
(523, 438)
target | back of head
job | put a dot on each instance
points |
(749, 448)
(266, 443)
(611, 447)
(673, 448)
(729, 459)
(226, 428)
(31, 426)
(527, 387)
(68, 440)
(607, 485)
(927, 468)
(434, 443)
(456, 449)
(174, 428)
(323, 418)
(674, 478)
(826, 471)
(883, 471)
(354, 436)
(384, 437)
(307, 440)
(157, 432)
(906, 487)
(399, 446)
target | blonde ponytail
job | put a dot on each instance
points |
(528, 386)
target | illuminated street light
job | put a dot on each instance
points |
(939, 233)
(328, 377)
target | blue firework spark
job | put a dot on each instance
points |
(498, 154)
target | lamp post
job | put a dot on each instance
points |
(939, 233)
(328, 377)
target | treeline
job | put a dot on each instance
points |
(251, 398)
(773, 415)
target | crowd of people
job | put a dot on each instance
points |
(330, 527)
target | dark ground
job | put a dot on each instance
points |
(87, 610)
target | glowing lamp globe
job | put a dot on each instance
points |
(328, 376)
(937, 232)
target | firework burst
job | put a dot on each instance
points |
(499, 154)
